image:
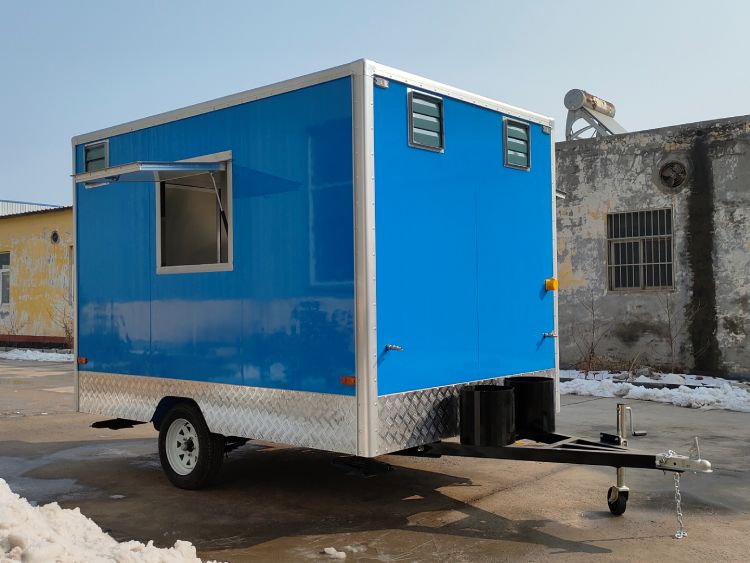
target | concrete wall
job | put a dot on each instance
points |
(703, 323)
(40, 308)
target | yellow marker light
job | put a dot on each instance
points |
(550, 284)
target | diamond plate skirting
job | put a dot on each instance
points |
(314, 420)
(407, 420)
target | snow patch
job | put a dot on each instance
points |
(35, 356)
(672, 378)
(647, 377)
(50, 533)
(724, 397)
(334, 553)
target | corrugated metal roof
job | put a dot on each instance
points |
(9, 207)
(47, 209)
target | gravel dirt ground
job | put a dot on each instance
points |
(288, 504)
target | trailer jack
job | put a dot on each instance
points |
(610, 451)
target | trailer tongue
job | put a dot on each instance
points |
(558, 448)
(611, 450)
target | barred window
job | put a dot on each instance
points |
(639, 250)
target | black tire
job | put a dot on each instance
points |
(194, 465)
(617, 501)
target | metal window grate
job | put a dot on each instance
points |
(517, 147)
(95, 157)
(425, 121)
(639, 250)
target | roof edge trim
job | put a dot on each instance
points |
(374, 68)
(358, 67)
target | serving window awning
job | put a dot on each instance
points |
(146, 172)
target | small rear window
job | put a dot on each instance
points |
(425, 121)
(517, 153)
(95, 156)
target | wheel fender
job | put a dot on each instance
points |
(167, 403)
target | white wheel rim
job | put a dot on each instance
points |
(182, 446)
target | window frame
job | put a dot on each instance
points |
(227, 266)
(3, 270)
(87, 146)
(509, 121)
(642, 264)
(410, 115)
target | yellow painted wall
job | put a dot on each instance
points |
(40, 274)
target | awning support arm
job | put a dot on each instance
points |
(221, 207)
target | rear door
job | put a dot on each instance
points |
(463, 247)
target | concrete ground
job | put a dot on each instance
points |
(288, 504)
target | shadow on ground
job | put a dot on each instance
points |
(265, 493)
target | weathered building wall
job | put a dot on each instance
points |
(731, 265)
(703, 322)
(40, 305)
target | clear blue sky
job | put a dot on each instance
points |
(75, 66)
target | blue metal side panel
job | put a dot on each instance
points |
(114, 261)
(284, 316)
(464, 245)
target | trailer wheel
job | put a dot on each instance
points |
(617, 501)
(190, 454)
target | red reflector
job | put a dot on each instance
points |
(83, 360)
(349, 380)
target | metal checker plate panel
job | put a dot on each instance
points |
(415, 418)
(314, 420)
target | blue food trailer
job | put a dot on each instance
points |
(324, 262)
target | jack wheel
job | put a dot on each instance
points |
(617, 501)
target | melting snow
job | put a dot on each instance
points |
(709, 393)
(36, 356)
(334, 553)
(50, 533)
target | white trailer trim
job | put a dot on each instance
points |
(74, 281)
(334, 73)
(365, 287)
(416, 81)
(556, 328)
(220, 103)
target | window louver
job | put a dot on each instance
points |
(426, 121)
(517, 152)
